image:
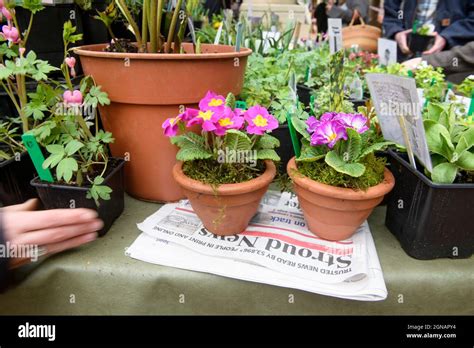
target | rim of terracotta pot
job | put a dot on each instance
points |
(96, 51)
(225, 189)
(340, 192)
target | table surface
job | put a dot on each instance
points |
(99, 279)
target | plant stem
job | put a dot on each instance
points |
(145, 25)
(28, 30)
(153, 29)
(128, 16)
(172, 26)
(159, 18)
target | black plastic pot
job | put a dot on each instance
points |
(54, 196)
(15, 177)
(357, 103)
(304, 94)
(285, 151)
(430, 220)
(419, 43)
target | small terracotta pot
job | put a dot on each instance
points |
(227, 209)
(335, 213)
(147, 88)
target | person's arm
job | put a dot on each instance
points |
(3, 260)
(392, 24)
(462, 30)
(457, 59)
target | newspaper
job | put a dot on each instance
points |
(276, 248)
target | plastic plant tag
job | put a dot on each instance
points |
(217, 39)
(294, 138)
(335, 34)
(387, 52)
(398, 110)
(239, 104)
(36, 157)
(191, 30)
(471, 105)
(238, 38)
(292, 85)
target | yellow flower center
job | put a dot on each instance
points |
(216, 102)
(206, 116)
(225, 122)
(173, 121)
(332, 136)
(260, 121)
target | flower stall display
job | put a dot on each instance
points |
(84, 175)
(427, 211)
(226, 169)
(16, 69)
(150, 79)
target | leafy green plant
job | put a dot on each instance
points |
(230, 137)
(76, 155)
(450, 142)
(466, 87)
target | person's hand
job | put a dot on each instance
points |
(402, 39)
(438, 45)
(412, 64)
(53, 230)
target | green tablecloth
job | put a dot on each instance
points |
(100, 279)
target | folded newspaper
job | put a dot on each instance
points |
(276, 248)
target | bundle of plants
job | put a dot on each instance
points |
(226, 168)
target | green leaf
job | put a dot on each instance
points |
(33, 6)
(55, 149)
(311, 153)
(301, 127)
(466, 141)
(266, 141)
(237, 140)
(191, 153)
(230, 101)
(466, 161)
(73, 146)
(444, 173)
(269, 154)
(353, 169)
(351, 148)
(66, 168)
(376, 147)
(5, 72)
(52, 160)
(189, 138)
(438, 139)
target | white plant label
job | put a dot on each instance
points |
(398, 108)
(387, 51)
(335, 34)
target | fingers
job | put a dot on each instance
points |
(30, 204)
(57, 234)
(401, 38)
(18, 262)
(21, 222)
(70, 243)
(438, 45)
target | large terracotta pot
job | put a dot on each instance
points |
(363, 35)
(335, 213)
(144, 90)
(227, 209)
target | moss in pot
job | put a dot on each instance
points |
(226, 169)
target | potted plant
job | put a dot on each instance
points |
(16, 69)
(152, 78)
(427, 211)
(83, 173)
(337, 177)
(419, 40)
(226, 169)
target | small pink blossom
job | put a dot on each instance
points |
(228, 120)
(72, 97)
(212, 101)
(10, 33)
(70, 62)
(259, 120)
(6, 13)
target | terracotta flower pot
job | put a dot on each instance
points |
(335, 213)
(363, 35)
(227, 209)
(145, 89)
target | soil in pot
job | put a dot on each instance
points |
(429, 219)
(419, 43)
(304, 94)
(146, 89)
(228, 208)
(57, 196)
(15, 177)
(335, 213)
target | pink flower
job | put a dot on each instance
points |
(357, 122)
(72, 97)
(170, 126)
(228, 120)
(70, 62)
(189, 114)
(6, 13)
(22, 51)
(212, 101)
(328, 132)
(2, 3)
(206, 119)
(259, 120)
(10, 33)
